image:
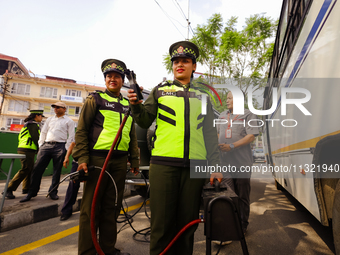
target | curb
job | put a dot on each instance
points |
(44, 210)
(33, 215)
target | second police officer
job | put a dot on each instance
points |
(182, 135)
(99, 122)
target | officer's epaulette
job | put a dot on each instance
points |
(30, 122)
(95, 92)
(165, 83)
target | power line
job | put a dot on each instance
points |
(192, 31)
(180, 9)
(169, 17)
(186, 19)
(189, 26)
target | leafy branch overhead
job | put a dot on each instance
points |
(227, 53)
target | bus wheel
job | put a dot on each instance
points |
(336, 219)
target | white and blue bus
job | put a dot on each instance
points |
(307, 55)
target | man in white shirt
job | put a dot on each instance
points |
(56, 136)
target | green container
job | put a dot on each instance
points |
(9, 144)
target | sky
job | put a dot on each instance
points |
(70, 39)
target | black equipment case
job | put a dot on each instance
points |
(221, 213)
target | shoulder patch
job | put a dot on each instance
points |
(95, 92)
(165, 83)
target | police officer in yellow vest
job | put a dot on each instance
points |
(28, 145)
(98, 124)
(183, 136)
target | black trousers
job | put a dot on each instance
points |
(57, 153)
(71, 193)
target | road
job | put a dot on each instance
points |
(278, 225)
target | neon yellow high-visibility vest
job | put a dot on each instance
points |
(179, 126)
(25, 138)
(107, 122)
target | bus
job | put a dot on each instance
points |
(303, 147)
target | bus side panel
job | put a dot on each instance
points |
(292, 146)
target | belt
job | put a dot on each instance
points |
(55, 143)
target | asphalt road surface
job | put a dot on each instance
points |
(278, 225)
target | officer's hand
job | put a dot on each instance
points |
(66, 162)
(130, 75)
(218, 176)
(134, 170)
(224, 147)
(133, 96)
(83, 166)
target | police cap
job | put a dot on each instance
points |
(184, 49)
(113, 65)
(38, 112)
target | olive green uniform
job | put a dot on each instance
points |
(174, 196)
(28, 145)
(90, 148)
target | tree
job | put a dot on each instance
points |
(208, 40)
(248, 50)
(240, 58)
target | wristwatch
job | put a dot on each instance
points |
(232, 146)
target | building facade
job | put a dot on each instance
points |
(24, 93)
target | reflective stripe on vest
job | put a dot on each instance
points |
(25, 138)
(179, 131)
(107, 123)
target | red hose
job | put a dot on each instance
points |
(94, 201)
(180, 233)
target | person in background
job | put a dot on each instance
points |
(234, 145)
(56, 136)
(72, 189)
(28, 145)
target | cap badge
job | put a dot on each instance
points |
(114, 65)
(180, 49)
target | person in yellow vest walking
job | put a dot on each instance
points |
(98, 125)
(28, 145)
(184, 137)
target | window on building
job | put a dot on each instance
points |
(14, 121)
(49, 92)
(18, 106)
(73, 111)
(73, 93)
(21, 89)
(48, 109)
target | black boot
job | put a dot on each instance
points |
(9, 194)
(27, 198)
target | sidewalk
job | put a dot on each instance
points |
(39, 208)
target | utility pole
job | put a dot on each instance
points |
(188, 18)
(4, 87)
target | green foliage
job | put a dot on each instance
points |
(250, 51)
(238, 57)
(167, 63)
